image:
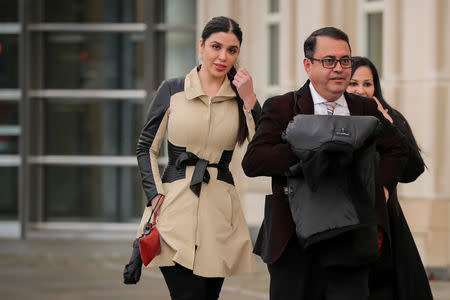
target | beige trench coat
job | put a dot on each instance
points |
(207, 234)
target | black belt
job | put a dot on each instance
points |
(200, 174)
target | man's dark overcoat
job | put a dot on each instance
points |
(267, 155)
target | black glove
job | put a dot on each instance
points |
(132, 271)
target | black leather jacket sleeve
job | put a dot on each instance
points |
(148, 147)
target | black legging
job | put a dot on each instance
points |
(183, 284)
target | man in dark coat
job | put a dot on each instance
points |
(329, 270)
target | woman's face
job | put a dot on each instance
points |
(220, 51)
(361, 82)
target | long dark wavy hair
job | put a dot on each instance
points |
(225, 24)
(397, 117)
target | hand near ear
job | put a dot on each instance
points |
(244, 85)
(383, 110)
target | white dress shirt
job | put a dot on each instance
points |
(321, 109)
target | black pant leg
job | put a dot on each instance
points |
(293, 276)
(382, 276)
(183, 284)
(346, 261)
(347, 283)
(312, 275)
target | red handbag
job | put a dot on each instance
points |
(149, 244)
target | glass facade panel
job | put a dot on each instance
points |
(9, 11)
(92, 11)
(9, 62)
(180, 12)
(89, 61)
(375, 40)
(9, 113)
(176, 54)
(273, 54)
(9, 144)
(8, 188)
(180, 55)
(91, 194)
(87, 126)
(9, 128)
(273, 6)
(60, 58)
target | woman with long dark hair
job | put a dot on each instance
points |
(398, 273)
(204, 236)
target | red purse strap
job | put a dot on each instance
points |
(153, 211)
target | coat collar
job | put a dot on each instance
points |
(305, 102)
(355, 106)
(193, 89)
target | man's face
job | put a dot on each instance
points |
(329, 83)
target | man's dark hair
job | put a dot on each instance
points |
(309, 47)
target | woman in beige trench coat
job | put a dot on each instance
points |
(203, 233)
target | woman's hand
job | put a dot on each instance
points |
(386, 193)
(157, 202)
(382, 110)
(244, 84)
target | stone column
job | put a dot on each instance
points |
(416, 82)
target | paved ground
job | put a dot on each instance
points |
(83, 269)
